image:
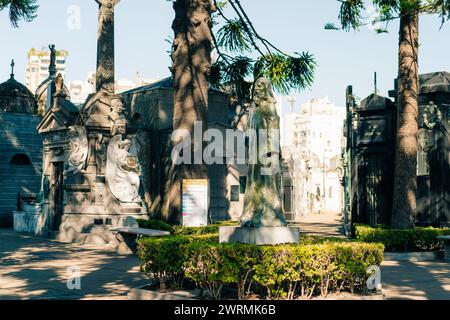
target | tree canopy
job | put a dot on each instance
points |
(352, 12)
(20, 10)
(244, 55)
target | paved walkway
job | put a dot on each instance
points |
(36, 268)
(324, 224)
(425, 280)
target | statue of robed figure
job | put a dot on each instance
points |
(262, 201)
(123, 170)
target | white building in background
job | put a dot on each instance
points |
(80, 90)
(125, 84)
(312, 145)
(37, 66)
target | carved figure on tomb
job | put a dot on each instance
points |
(123, 170)
(117, 117)
(79, 148)
(432, 116)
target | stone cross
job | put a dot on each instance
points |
(105, 46)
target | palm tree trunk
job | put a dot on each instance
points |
(405, 179)
(191, 60)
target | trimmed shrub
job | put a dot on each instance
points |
(402, 240)
(274, 272)
(183, 231)
(164, 258)
(154, 224)
(210, 267)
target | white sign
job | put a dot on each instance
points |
(195, 202)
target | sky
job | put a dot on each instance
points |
(144, 26)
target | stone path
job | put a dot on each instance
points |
(36, 268)
(425, 280)
(324, 224)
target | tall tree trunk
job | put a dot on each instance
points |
(405, 179)
(191, 57)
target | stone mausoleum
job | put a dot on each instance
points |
(20, 150)
(370, 155)
(105, 162)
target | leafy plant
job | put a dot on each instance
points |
(20, 10)
(274, 272)
(403, 240)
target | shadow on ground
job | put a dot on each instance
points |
(38, 268)
(425, 280)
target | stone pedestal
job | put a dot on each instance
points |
(260, 236)
(93, 229)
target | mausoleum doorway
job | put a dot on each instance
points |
(57, 194)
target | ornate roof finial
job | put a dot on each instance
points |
(12, 68)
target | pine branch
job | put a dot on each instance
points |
(250, 35)
(263, 40)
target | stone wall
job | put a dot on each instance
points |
(18, 135)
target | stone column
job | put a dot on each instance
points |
(105, 46)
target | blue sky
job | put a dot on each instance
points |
(142, 26)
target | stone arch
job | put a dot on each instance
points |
(20, 159)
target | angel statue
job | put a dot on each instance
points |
(123, 170)
(262, 200)
(79, 147)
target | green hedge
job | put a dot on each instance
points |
(183, 231)
(273, 272)
(402, 240)
(164, 257)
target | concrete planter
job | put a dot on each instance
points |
(142, 293)
(29, 221)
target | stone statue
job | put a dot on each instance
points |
(52, 67)
(262, 201)
(79, 148)
(117, 117)
(123, 170)
(59, 85)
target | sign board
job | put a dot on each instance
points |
(195, 202)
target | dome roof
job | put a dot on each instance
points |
(12, 87)
(15, 97)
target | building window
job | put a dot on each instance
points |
(330, 192)
(234, 193)
(20, 159)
